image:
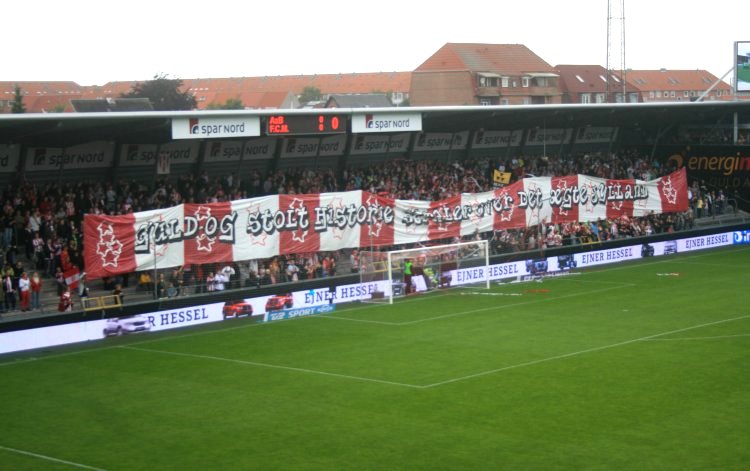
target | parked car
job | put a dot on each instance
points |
(126, 325)
(566, 262)
(670, 246)
(278, 302)
(647, 250)
(236, 309)
(536, 266)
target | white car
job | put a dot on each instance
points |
(126, 325)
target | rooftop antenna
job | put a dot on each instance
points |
(616, 33)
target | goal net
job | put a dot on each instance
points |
(398, 273)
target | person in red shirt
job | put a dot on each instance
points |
(66, 301)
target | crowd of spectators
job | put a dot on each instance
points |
(42, 222)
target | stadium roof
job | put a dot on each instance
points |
(65, 129)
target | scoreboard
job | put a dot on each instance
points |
(294, 124)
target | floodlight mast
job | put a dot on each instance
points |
(735, 133)
(620, 16)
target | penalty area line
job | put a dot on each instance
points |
(714, 337)
(581, 352)
(272, 366)
(50, 458)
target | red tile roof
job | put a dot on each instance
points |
(506, 59)
(585, 79)
(648, 80)
(50, 103)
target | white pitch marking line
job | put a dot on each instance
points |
(715, 337)
(49, 458)
(280, 367)
(581, 352)
(353, 319)
(58, 355)
(524, 303)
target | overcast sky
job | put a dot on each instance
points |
(94, 42)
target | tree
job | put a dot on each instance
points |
(164, 94)
(309, 94)
(230, 104)
(18, 106)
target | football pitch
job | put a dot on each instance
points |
(635, 366)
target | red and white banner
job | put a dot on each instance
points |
(263, 227)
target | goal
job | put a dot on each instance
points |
(432, 268)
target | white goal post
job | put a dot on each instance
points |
(432, 268)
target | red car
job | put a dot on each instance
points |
(237, 309)
(279, 302)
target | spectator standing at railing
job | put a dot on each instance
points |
(161, 286)
(10, 287)
(354, 261)
(220, 280)
(36, 290)
(24, 291)
(37, 249)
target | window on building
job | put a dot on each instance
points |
(619, 98)
(580, 79)
(505, 82)
(514, 83)
(487, 81)
(485, 101)
(526, 100)
(504, 101)
(651, 94)
(658, 94)
(585, 98)
(525, 82)
(686, 93)
(601, 98)
(672, 94)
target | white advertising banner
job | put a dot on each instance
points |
(205, 127)
(386, 122)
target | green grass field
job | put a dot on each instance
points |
(638, 366)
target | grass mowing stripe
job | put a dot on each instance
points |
(279, 367)
(49, 458)
(588, 350)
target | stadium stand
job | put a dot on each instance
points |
(42, 222)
